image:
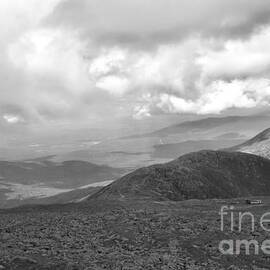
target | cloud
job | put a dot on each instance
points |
(52, 52)
(18, 16)
(193, 76)
(217, 97)
(141, 112)
(75, 63)
(11, 119)
(153, 22)
(239, 59)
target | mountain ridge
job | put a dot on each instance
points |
(199, 175)
(201, 124)
(258, 145)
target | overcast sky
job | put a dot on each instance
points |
(78, 62)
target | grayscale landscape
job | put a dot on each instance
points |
(134, 135)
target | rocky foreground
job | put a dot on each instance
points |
(125, 235)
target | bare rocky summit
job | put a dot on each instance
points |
(258, 145)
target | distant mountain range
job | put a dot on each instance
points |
(67, 174)
(171, 142)
(224, 124)
(204, 174)
(199, 175)
(173, 150)
(258, 145)
(41, 181)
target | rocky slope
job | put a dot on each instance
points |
(133, 235)
(200, 175)
(258, 145)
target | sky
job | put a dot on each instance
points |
(68, 64)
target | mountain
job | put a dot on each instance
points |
(41, 181)
(258, 145)
(67, 174)
(173, 150)
(217, 124)
(76, 195)
(199, 175)
(162, 145)
(40, 195)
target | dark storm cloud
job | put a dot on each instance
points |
(150, 22)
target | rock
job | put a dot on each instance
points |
(23, 262)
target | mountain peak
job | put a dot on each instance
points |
(258, 145)
(264, 135)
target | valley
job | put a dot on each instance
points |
(42, 181)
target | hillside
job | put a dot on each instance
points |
(258, 145)
(63, 197)
(134, 235)
(173, 150)
(67, 174)
(41, 181)
(200, 175)
(216, 124)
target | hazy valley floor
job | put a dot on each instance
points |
(125, 235)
